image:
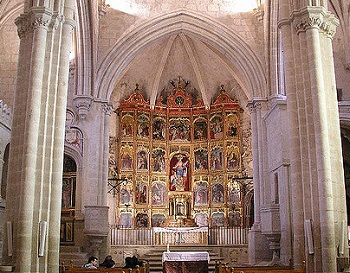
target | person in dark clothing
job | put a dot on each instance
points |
(132, 262)
(108, 262)
(136, 261)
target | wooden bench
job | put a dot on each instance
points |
(223, 268)
(74, 269)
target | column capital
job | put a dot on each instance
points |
(107, 108)
(57, 19)
(255, 104)
(315, 17)
(39, 17)
(83, 104)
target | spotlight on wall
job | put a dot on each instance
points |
(42, 237)
(9, 238)
(309, 236)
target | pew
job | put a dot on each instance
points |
(74, 269)
(224, 268)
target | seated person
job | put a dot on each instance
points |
(108, 262)
(132, 262)
(92, 263)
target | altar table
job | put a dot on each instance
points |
(185, 262)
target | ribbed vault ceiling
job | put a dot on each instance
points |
(178, 55)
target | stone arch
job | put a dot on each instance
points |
(203, 27)
(13, 11)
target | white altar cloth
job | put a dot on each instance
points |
(185, 256)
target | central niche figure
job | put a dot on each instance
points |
(179, 173)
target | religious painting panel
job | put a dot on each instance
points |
(141, 220)
(201, 219)
(159, 128)
(158, 194)
(216, 126)
(179, 172)
(200, 193)
(201, 160)
(68, 192)
(142, 158)
(232, 157)
(217, 219)
(125, 194)
(234, 192)
(232, 122)
(234, 219)
(200, 128)
(143, 125)
(127, 124)
(141, 191)
(217, 193)
(126, 156)
(216, 158)
(158, 159)
(125, 220)
(158, 220)
(179, 129)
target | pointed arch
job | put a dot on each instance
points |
(127, 47)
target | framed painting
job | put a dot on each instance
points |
(200, 193)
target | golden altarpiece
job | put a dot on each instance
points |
(179, 160)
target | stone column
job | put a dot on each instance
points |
(294, 188)
(35, 181)
(315, 140)
(54, 216)
(258, 245)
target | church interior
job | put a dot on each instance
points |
(147, 128)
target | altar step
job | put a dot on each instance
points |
(155, 258)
